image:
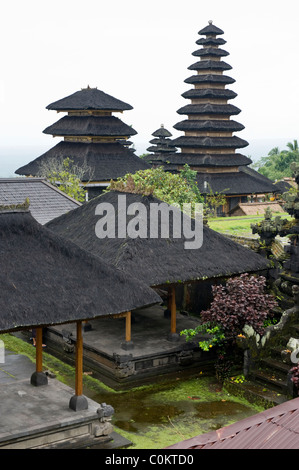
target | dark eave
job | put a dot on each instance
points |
(89, 99)
(90, 126)
(210, 78)
(206, 160)
(210, 142)
(210, 41)
(225, 109)
(210, 51)
(213, 93)
(200, 125)
(211, 30)
(210, 65)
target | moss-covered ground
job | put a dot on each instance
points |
(158, 415)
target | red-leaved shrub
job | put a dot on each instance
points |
(242, 301)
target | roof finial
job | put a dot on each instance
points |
(210, 21)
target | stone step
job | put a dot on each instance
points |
(275, 365)
(273, 379)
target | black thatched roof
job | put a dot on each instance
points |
(90, 126)
(210, 65)
(233, 183)
(89, 98)
(211, 29)
(156, 261)
(209, 125)
(206, 160)
(213, 93)
(210, 78)
(210, 51)
(282, 186)
(207, 108)
(210, 142)
(211, 41)
(162, 132)
(48, 280)
(105, 161)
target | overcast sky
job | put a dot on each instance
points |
(139, 52)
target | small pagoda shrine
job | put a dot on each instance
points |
(209, 146)
(92, 137)
(161, 144)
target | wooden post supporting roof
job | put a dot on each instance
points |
(78, 401)
(173, 334)
(39, 377)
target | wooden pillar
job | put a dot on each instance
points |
(78, 402)
(128, 344)
(39, 377)
(39, 350)
(173, 336)
(128, 326)
(173, 312)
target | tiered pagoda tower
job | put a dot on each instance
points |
(91, 136)
(209, 144)
(161, 142)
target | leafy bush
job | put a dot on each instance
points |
(242, 301)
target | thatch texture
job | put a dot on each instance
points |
(233, 183)
(210, 78)
(209, 125)
(90, 126)
(212, 93)
(210, 142)
(89, 98)
(208, 108)
(104, 161)
(210, 65)
(47, 280)
(156, 261)
(210, 51)
(206, 160)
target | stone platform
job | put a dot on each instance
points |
(40, 418)
(151, 352)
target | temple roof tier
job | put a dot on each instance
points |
(209, 78)
(210, 142)
(206, 160)
(89, 98)
(104, 161)
(210, 65)
(211, 41)
(201, 125)
(90, 126)
(234, 183)
(213, 93)
(207, 108)
(211, 30)
(210, 51)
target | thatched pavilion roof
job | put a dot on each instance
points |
(47, 280)
(156, 261)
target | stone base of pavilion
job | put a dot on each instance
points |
(40, 417)
(151, 350)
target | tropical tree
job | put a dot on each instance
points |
(276, 165)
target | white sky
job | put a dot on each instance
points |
(139, 52)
